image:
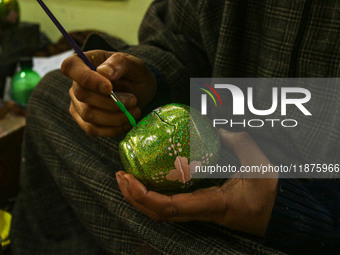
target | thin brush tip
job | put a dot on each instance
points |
(114, 96)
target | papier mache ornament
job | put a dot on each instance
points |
(157, 151)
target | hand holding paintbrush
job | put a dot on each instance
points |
(90, 106)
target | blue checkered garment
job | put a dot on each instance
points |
(70, 203)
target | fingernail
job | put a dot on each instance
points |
(106, 69)
(124, 181)
(118, 177)
(124, 97)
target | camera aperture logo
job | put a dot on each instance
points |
(204, 98)
(294, 96)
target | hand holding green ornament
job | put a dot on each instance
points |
(167, 146)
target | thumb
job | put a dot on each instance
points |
(244, 147)
(120, 65)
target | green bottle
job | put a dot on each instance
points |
(24, 81)
(9, 14)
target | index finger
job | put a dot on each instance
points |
(75, 68)
(203, 204)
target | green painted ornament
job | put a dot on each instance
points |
(9, 14)
(157, 150)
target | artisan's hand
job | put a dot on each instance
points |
(95, 112)
(240, 204)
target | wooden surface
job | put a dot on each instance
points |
(11, 125)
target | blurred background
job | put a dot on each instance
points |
(31, 46)
(117, 17)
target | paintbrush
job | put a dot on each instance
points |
(84, 58)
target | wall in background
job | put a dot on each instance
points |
(119, 18)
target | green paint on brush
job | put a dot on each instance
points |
(128, 115)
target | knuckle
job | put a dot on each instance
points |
(169, 211)
(220, 192)
(120, 58)
(173, 211)
(221, 195)
(120, 54)
(70, 92)
(90, 130)
(137, 60)
(127, 99)
(87, 114)
(222, 216)
(139, 198)
(66, 65)
(80, 93)
(84, 78)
